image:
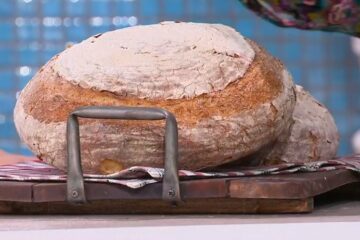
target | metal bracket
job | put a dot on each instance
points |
(75, 180)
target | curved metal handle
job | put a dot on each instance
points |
(75, 180)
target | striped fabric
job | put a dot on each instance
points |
(138, 176)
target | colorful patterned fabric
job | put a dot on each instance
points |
(137, 177)
(328, 15)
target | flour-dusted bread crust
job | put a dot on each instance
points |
(312, 136)
(229, 96)
(162, 61)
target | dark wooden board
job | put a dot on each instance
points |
(263, 194)
(291, 186)
(16, 191)
(193, 206)
(207, 188)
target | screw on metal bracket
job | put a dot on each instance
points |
(171, 193)
(74, 194)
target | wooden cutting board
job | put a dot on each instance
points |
(291, 193)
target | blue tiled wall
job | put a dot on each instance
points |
(32, 31)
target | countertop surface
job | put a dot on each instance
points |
(341, 211)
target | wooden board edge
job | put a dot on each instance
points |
(194, 206)
(56, 192)
(306, 188)
(15, 190)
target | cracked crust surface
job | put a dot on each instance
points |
(214, 128)
(160, 61)
(312, 136)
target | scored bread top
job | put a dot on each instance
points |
(161, 61)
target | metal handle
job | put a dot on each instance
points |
(75, 180)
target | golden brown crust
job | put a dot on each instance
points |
(50, 98)
(214, 128)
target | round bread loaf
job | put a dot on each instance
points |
(312, 136)
(229, 96)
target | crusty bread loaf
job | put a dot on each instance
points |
(312, 136)
(229, 96)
